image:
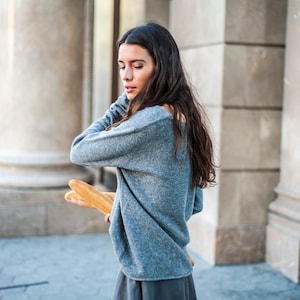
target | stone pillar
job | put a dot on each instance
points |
(133, 13)
(41, 91)
(233, 51)
(283, 231)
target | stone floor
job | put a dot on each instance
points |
(83, 267)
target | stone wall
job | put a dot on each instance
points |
(233, 51)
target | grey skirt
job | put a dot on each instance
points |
(172, 289)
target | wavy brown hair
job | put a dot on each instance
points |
(169, 86)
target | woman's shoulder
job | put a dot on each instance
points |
(157, 112)
(150, 118)
(151, 115)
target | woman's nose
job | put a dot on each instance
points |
(127, 74)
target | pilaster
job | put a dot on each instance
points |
(283, 230)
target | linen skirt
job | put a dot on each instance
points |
(171, 289)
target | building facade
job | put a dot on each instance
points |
(58, 73)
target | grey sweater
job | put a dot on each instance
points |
(154, 197)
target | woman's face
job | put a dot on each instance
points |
(136, 68)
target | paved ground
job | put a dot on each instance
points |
(84, 267)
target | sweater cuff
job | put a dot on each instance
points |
(198, 203)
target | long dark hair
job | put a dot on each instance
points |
(169, 86)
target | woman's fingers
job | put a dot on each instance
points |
(107, 218)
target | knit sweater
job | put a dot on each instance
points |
(154, 196)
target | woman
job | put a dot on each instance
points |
(155, 136)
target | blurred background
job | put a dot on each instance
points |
(58, 73)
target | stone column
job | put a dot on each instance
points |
(41, 91)
(233, 51)
(283, 231)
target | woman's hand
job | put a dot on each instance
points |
(107, 218)
(84, 194)
(74, 198)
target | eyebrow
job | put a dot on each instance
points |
(132, 61)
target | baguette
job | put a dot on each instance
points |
(87, 194)
(74, 198)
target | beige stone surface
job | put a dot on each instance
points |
(283, 250)
(135, 13)
(41, 102)
(44, 212)
(197, 22)
(256, 21)
(287, 204)
(42, 75)
(158, 11)
(290, 161)
(22, 220)
(65, 218)
(214, 125)
(203, 237)
(211, 203)
(204, 66)
(41, 94)
(228, 244)
(283, 234)
(253, 76)
(287, 223)
(132, 13)
(240, 244)
(250, 139)
(19, 173)
(245, 197)
(102, 60)
(241, 88)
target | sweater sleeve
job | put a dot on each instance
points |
(198, 204)
(115, 113)
(118, 146)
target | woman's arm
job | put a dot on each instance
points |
(119, 146)
(115, 113)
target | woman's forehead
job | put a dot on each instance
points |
(133, 51)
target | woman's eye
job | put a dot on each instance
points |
(135, 67)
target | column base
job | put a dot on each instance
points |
(44, 170)
(31, 212)
(283, 239)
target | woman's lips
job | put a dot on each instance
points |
(129, 89)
